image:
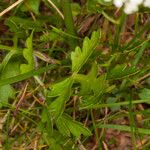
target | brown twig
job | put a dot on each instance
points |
(10, 7)
(55, 7)
(21, 99)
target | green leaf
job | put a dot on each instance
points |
(86, 81)
(124, 128)
(63, 34)
(92, 87)
(89, 101)
(53, 142)
(20, 25)
(79, 57)
(50, 36)
(121, 71)
(94, 5)
(56, 108)
(46, 121)
(31, 5)
(91, 84)
(62, 127)
(76, 9)
(100, 85)
(58, 88)
(67, 125)
(56, 142)
(112, 100)
(28, 55)
(6, 60)
(6, 92)
(9, 68)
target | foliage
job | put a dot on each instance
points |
(79, 57)
(28, 55)
(71, 71)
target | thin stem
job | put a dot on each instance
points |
(118, 32)
(94, 125)
(136, 24)
(132, 122)
(7, 48)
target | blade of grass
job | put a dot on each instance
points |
(94, 126)
(68, 18)
(6, 60)
(62, 33)
(118, 32)
(132, 122)
(26, 75)
(136, 23)
(115, 104)
(124, 128)
(137, 36)
(8, 48)
(141, 51)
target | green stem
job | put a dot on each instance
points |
(132, 122)
(94, 125)
(118, 32)
(7, 48)
(68, 18)
(136, 24)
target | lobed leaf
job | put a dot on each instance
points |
(86, 81)
(57, 88)
(56, 108)
(67, 125)
(92, 87)
(80, 56)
